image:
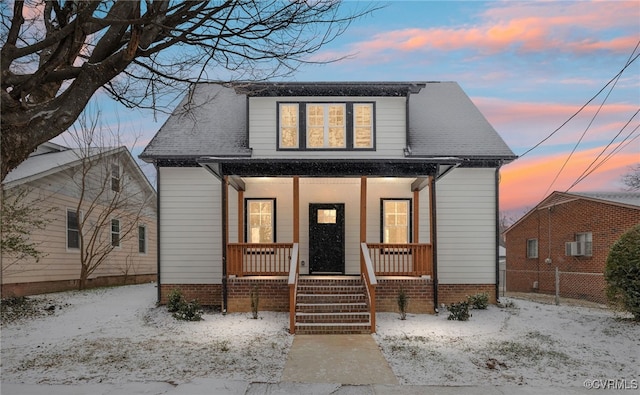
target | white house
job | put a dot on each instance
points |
(95, 196)
(302, 188)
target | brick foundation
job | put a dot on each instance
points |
(273, 293)
(453, 293)
(43, 287)
(206, 294)
(419, 291)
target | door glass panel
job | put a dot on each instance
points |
(327, 216)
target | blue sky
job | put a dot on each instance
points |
(528, 66)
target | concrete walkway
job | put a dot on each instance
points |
(344, 359)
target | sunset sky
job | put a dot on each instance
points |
(528, 66)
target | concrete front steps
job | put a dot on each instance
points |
(332, 305)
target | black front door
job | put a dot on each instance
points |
(326, 238)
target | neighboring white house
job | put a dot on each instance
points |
(249, 174)
(115, 187)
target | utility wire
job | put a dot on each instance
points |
(585, 105)
(575, 147)
(619, 148)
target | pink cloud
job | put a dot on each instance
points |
(524, 182)
(512, 26)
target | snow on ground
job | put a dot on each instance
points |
(118, 335)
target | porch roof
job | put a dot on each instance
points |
(243, 167)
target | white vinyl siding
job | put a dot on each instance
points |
(190, 219)
(466, 221)
(390, 128)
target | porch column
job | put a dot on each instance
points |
(240, 216)
(416, 216)
(296, 209)
(363, 215)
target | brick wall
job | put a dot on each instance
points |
(553, 226)
(206, 294)
(419, 291)
(273, 294)
(454, 293)
(42, 287)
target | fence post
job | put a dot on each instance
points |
(557, 286)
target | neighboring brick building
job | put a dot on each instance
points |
(571, 231)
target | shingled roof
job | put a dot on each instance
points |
(211, 120)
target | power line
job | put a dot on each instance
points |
(586, 104)
(575, 147)
(620, 147)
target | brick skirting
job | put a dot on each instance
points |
(273, 293)
(43, 287)
(454, 293)
(209, 295)
(419, 291)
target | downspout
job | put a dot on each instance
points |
(434, 244)
(497, 207)
(223, 205)
(155, 163)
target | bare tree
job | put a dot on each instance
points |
(57, 53)
(112, 203)
(21, 213)
(632, 179)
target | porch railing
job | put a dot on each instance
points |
(370, 282)
(411, 259)
(293, 288)
(259, 259)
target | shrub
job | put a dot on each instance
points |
(175, 300)
(255, 301)
(459, 311)
(189, 311)
(622, 273)
(479, 301)
(403, 303)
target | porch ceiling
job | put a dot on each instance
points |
(318, 168)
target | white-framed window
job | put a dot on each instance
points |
(115, 177)
(532, 248)
(142, 239)
(73, 230)
(363, 125)
(396, 221)
(260, 220)
(585, 243)
(115, 232)
(326, 125)
(289, 127)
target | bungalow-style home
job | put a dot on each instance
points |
(97, 205)
(573, 232)
(328, 199)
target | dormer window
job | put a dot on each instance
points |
(326, 126)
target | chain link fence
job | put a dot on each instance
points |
(562, 284)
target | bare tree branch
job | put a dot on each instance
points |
(57, 54)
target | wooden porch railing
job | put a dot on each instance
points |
(370, 282)
(259, 259)
(411, 259)
(293, 288)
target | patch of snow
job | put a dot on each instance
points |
(118, 335)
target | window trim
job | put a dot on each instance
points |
(588, 242)
(119, 233)
(528, 252)
(247, 217)
(79, 218)
(144, 240)
(409, 220)
(349, 125)
(116, 180)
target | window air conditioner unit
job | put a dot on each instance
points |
(574, 248)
